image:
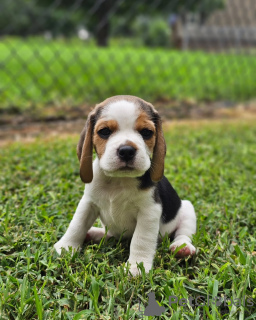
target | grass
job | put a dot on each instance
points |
(211, 164)
(35, 72)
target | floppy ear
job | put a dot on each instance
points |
(157, 163)
(85, 148)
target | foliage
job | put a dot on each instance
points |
(154, 32)
(210, 164)
(27, 17)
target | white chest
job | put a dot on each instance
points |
(119, 203)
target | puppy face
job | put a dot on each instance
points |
(124, 138)
(127, 136)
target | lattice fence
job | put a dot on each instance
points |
(73, 52)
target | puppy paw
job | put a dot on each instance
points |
(135, 271)
(188, 250)
(66, 245)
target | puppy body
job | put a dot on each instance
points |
(128, 191)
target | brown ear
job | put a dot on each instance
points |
(85, 149)
(157, 163)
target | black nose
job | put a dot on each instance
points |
(126, 153)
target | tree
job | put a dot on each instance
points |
(28, 17)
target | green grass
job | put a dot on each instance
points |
(35, 72)
(213, 165)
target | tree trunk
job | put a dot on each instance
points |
(102, 34)
(176, 36)
(103, 26)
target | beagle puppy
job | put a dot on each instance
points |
(125, 186)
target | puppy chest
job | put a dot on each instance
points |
(118, 212)
(119, 217)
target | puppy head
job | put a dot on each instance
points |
(126, 133)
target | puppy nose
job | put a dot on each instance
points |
(126, 153)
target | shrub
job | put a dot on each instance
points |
(155, 32)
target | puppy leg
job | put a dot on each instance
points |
(84, 217)
(185, 228)
(144, 239)
(96, 234)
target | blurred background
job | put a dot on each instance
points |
(192, 59)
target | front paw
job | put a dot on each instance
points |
(135, 271)
(61, 244)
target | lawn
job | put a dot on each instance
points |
(212, 164)
(35, 72)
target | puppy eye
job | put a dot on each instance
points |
(146, 133)
(104, 133)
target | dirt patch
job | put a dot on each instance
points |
(25, 128)
(206, 110)
(30, 131)
(47, 113)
